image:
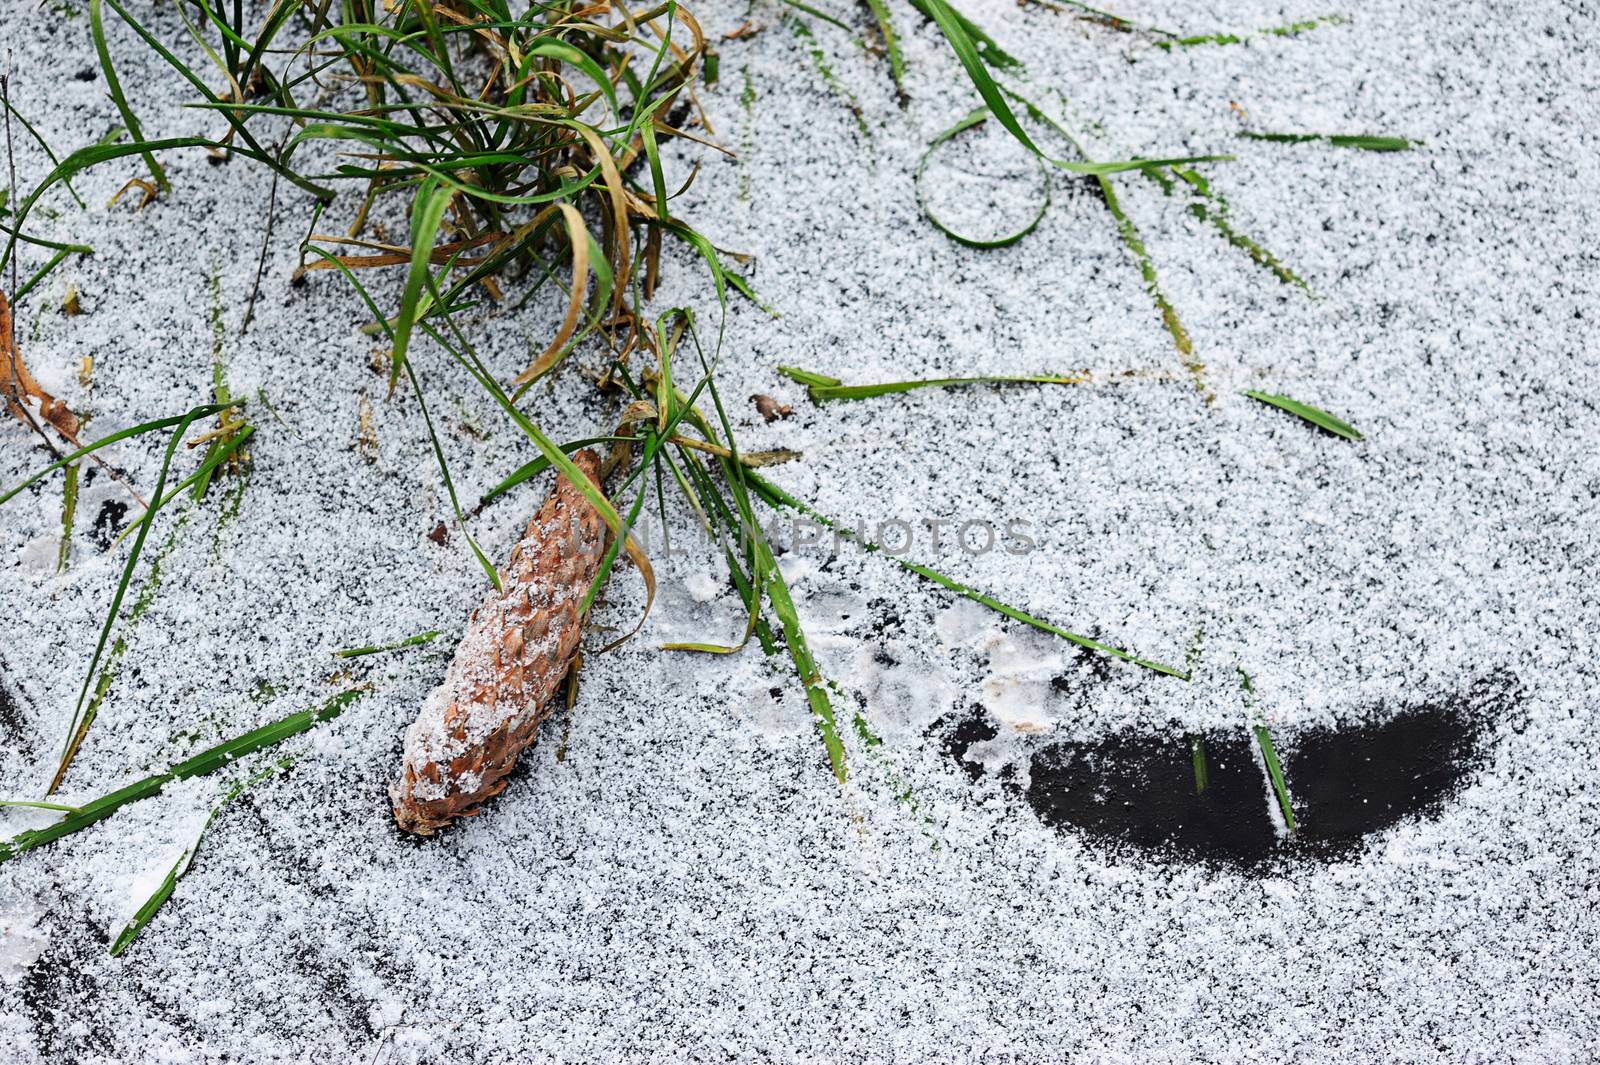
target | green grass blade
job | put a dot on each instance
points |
(39, 804)
(1316, 416)
(112, 438)
(83, 159)
(891, 45)
(1361, 142)
(54, 161)
(777, 497)
(537, 466)
(1280, 787)
(69, 509)
(994, 98)
(410, 641)
(207, 467)
(427, 212)
(1211, 208)
(983, 45)
(114, 87)
(801, 5)
(169, 883)
(741, 286)
(80, 722)
(808, 378)
(824, 393)
(1269, 754)
(208, 761)
(1152, 282)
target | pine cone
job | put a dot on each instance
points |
(513, 658)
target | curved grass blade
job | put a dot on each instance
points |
(976, 117)
(1316, 416)
(83, 159)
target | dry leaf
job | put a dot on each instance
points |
(20, 391)
(771, 409)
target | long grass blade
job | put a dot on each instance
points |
(114, 88)
(208, 761)
(777, 497)
(399, 645)
(169, 883)
(824, 393)
(1362, 142)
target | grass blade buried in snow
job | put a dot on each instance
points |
(208, 761)
(1289, 29)
(1339, 140)
(410, 641)
(169, 883)
(1316, 416)
(1211, 208)
(777, 497)
(821, 393)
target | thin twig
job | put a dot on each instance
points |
(261, 261)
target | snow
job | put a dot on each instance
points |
(673, 872)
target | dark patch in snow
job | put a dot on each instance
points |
(108, 523)
(1138, 789)
(11, 723)
(962, 734)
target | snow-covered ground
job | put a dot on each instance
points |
(674, 872)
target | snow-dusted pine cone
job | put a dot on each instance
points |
(513, 658)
